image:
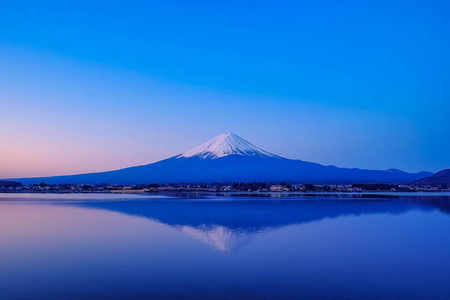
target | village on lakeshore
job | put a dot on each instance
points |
(236, 187)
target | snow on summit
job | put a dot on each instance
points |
(224, 145)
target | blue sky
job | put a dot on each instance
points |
(96, 86)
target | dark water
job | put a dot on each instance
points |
(298, 247)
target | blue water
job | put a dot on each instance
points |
(87, 246)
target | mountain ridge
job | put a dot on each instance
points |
(440, 178)
(230, 158)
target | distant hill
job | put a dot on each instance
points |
(230, 158)
(7, 184)
(438, 179)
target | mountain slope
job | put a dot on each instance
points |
(440, 178)
(229, 158)
(8, 184)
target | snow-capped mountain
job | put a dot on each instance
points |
(230, 158)
(224, 145)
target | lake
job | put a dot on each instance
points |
(102, 246)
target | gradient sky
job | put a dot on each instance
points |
(99, 85)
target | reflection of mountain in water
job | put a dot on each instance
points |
(220, 237)
(228, 224)
(440, 202)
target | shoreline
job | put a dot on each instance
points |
(222, 193)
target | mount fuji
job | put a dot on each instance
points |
(230, 158)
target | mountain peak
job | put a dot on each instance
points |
(224, 145)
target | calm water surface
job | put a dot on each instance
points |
(148, 247)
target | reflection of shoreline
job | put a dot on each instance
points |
(442, 203)
(300, 196)
(199, 194)
(226, 225)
